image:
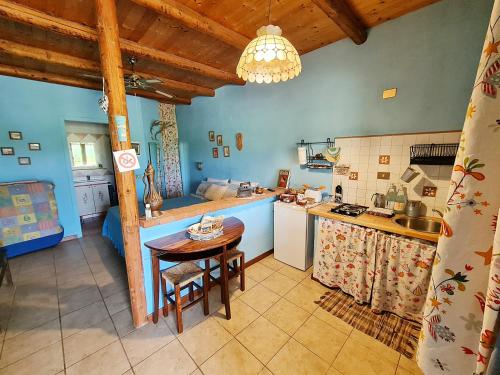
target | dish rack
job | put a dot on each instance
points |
(316, 160)
(433, 154)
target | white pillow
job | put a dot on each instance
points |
(215, 192)
(231, 191)
(202, 188)
(218, 180)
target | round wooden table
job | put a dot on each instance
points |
(178, 247)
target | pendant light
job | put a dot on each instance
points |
(269, 57)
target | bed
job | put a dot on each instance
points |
(112, 224)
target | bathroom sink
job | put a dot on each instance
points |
(420, 224)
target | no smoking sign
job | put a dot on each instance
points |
(126, 160)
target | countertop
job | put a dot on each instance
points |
(371, 221)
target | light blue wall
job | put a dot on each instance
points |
(39, 110)
(430, 55)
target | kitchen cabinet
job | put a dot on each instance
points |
(92, 199)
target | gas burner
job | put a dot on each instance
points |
(347, 209)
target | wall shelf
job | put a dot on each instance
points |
(433, 154)
(315, 159)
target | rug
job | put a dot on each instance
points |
(393, 331)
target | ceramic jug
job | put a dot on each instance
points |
(151, 195)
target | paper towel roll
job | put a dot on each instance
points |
(302, 152)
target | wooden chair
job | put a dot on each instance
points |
(181, 276)
(233, 256)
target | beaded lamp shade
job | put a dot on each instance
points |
(269, 58)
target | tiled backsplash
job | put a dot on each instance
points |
(377, 161)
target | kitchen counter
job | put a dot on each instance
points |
(371, 221)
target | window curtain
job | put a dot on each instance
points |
(170, 148)
(461, 314)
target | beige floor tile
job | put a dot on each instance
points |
(169, 360)
(88, 341)
(350, 362)
(47, 361)
(320, 338)
(110, 360)
(29, 342)
(374, 345)
(295, 357)
(118, 301)
(279, 283)
(123, 322)
(204, 339)
(272, 263)
(410, 366)
(287, 316)
(313, 284)
(233, 358)
(333, 371)
(332, 320)
(258, 272)
(28, 316)
(234, 286)
(146, 340)
(241, 316)
(85, 317)
(76, 301)
(197, 372)
(190, 318)
(265, 371)
(401, 371)
(304, 297)
(260, 298)
(293, 273)
(263, 339)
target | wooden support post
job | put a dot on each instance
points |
(111, 64)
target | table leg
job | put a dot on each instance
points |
(155, 265)
(225, 282)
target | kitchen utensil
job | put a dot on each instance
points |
(378, 200)
(314, 193)
(409, 174)
(413, 208)
(332, 154)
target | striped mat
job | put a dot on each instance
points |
(393, 331)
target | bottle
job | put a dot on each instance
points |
(147, 211)
(390, 197)
(401, 200)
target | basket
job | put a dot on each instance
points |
(433, 154)
(195, 233)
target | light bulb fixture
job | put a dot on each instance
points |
(269, 58)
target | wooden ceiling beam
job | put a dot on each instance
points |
(68, 61)
(195, 21)
(35, 75)
(341, 13)
(32, 17)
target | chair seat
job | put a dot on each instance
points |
(233, 254)
(182, 273)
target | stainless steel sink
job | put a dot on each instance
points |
(420, 224)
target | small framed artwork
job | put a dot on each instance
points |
(15, 135)
(8, 151)
(215, 152)
(24, 160)
(211, 136)
(219, 140)
(283, 178)
(226, 152)
(137, 147)
(34, 147)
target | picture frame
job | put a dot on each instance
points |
(215, 152)
(211, 136)
(34, 147)
(15, 135)
(227, 152)
(137, 147)
(219, 140)
(283, 178)
(24, 160)
(7, 151)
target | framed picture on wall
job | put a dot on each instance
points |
(219, 140)
(34, 147)
(15, 135)
(137, 147)
(283, 178)
(226, 152)
(211, 136)
(215, 152)
(24, 160)
(8, 151)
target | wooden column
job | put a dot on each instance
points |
(112, 70)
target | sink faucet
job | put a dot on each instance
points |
(438, 212)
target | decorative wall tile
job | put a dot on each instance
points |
(383, 176)
(384, 159)
(429, 191)
(353, 175)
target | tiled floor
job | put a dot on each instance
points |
(69, 314)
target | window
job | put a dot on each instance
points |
(82, 154)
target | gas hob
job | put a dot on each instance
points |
(347, 209)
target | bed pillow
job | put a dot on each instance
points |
(232, 191)
(220, 181)
(202, 188)
(215, 192)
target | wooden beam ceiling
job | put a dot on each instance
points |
(340, 13)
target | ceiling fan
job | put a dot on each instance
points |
(134, 81)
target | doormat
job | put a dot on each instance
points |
(393, 331)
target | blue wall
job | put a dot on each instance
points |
(39, 110)
(430, 55)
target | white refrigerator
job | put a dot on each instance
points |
(293, 235)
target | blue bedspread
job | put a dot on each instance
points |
(112, 225)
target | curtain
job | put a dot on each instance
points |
(170, 147)
(461, 313)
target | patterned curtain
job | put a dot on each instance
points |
(461, 314)
(170, 147)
